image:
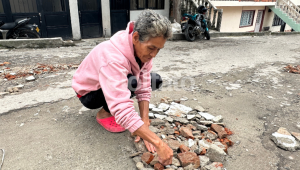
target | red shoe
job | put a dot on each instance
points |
(110, 124)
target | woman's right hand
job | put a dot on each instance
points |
(165, 153)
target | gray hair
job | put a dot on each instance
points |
(151, 24)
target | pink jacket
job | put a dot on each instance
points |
(107, 67)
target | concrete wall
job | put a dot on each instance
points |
(105, 7)
(297, 2)
(75, 19)
(232, 16)
(165, 12)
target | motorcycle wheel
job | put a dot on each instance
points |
(189, 33)
(207, 36)
(27, 34)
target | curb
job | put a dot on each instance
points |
(35, 43)
(180, 36)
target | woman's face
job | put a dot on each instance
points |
(147, 50)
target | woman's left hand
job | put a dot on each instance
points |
(149, 146)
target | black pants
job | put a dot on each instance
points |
(96, 99)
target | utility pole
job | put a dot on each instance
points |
(177, 10)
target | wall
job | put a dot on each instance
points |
(268, 21)
(232, 16)
(135, 13)
(297, 2)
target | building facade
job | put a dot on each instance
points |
(76, 19)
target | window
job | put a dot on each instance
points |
(147, 4)
(1, 8)
(23, 6)
(277, 21)
(53, 5)
(247, 18)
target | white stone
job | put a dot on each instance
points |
(160, 116)
(286, 142)
(207, 116)
(151, 115)
(201, 127)
(36, 114)
(4, 93)
(190, 117)
(169, 119)
(163, 106)
(20, 86)
(30, 78)
(191, 142)
(178, 110)
(200, 108)
(215, 153)
(151, 106)
(217, 119)
(204, 160)
(157, 110)
(184, 98)
(12, 74)
(204, 144)
(22, 124)
(270, 97)
(163, 136)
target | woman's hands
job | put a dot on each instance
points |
(164, 152)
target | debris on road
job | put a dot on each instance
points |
(198, 139)
(283, 139)
(292, 69)
(19, 72)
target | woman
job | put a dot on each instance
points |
(118, 69)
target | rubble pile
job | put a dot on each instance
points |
(292, 69)
(198, 139)
(19, 72)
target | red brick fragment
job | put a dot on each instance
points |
(229, 132)
(218, 164)
(226, 142)
(184, 148)
(147, 157)
(187, 158)
(173, 144)
(220, 130)
(186, 132)
(176, 132)
(158, 166)
(203, 152)
(191, 127)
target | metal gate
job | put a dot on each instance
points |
(90, 18)
(119, 17)
(52, 16)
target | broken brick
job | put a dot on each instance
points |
(191, 127)
(158, 166)
(176, 132)
(227, 142)
(147, 157)
(187, 158)
(184, 148)
(229, 132)
(203, 152)
(178, 124)
(186, 132)
(220, 130)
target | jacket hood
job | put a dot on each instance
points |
(122, 40)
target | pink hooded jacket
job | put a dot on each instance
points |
(107, 67)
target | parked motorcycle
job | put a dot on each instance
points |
(195, 25)
(20, 29)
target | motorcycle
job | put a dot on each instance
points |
(195, 25)
(20, 29)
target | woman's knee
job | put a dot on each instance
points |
(156, 81)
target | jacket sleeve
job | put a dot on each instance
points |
(114, 84)
(143, 91)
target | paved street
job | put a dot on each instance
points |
(44, 126)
